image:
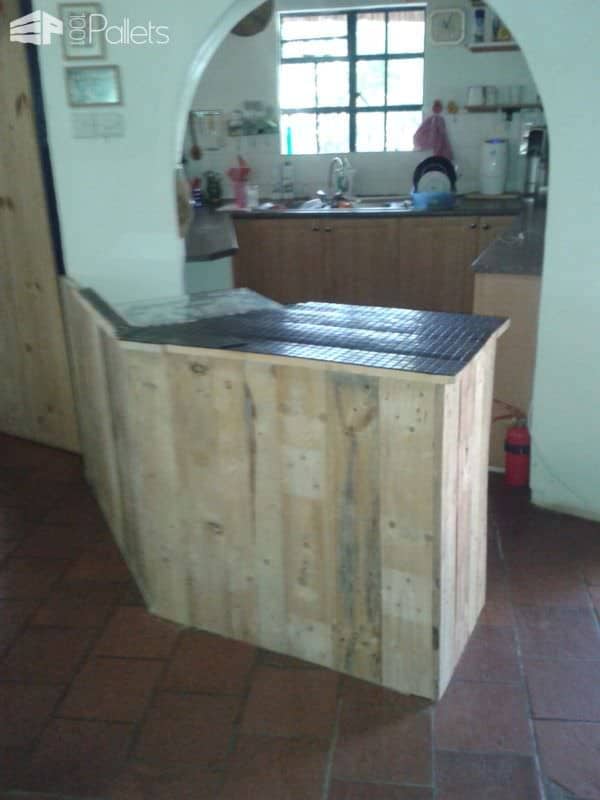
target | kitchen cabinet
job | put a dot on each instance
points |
(517, 297)
(398, 261)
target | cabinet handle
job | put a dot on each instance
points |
(485, 226)
(316, 228)
(473, 225)
(328, 230)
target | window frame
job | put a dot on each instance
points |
(352, 59)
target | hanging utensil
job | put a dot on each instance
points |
(195, 149)
(256, 21)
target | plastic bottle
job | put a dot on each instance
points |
(479, 25)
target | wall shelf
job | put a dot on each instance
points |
(507, 108)
(493, 47)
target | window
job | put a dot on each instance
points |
(351, 81)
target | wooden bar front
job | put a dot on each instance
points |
(329, 512)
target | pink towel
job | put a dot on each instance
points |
(432, 135)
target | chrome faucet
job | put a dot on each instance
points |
(338, 168)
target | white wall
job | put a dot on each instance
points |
(561, 47)
(246, 69)
(116, 197)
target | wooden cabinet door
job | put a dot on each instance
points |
(282, 259)
(363, 260)
(437, 256)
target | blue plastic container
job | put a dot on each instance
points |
(433, 201)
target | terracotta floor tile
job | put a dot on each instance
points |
(548, 585)
(135, 633)
(497, 609)
(111, 689)
(270, 659)
(55, 541)
(25, 709)
(62, 466)
(14, 523)
(490, 655)
(558, 633)
(483, 717)
(13, 768)
(29, 577)
(188, 729)
(16, 452)
(269, 768)
(77, 507)
(343, 790)
(569, 756)
(493, 777)
(45, 655)
(95, 566)
(204, 662)
(291, 703)
(11, 478)
(78, 605)
(595, 595)
(13, 614)
(568, 690)
(7, 546)
(131, 595)
(35, 499)
(78, 757)
(591, 569)
(382, 736)
(146, 782)
(357, 693)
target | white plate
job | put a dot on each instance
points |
(434, 181)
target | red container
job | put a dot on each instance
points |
(517, 447)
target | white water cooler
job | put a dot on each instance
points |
(494, 165)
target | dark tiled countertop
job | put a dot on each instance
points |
(399, 339)
(520, 249)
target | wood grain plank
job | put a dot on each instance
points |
(309, 553)
(262, 382)
(85, 329)
(354, 433)
(408, 485)
(32, 318)
(236, 466)
(448, 400)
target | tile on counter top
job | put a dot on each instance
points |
(520, 249)
(428, 342)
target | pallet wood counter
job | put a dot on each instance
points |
(321, 508)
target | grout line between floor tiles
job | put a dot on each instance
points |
(138, 725)
(31, 750)
(520, 660)
(327, 777)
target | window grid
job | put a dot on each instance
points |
(352, 59)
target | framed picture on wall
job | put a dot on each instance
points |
(93, 86)
(79, 41)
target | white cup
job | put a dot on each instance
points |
(476, 96)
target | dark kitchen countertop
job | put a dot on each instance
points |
(520, 249)
(398, 339)
(466, 206)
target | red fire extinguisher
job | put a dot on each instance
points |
(517, 446)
